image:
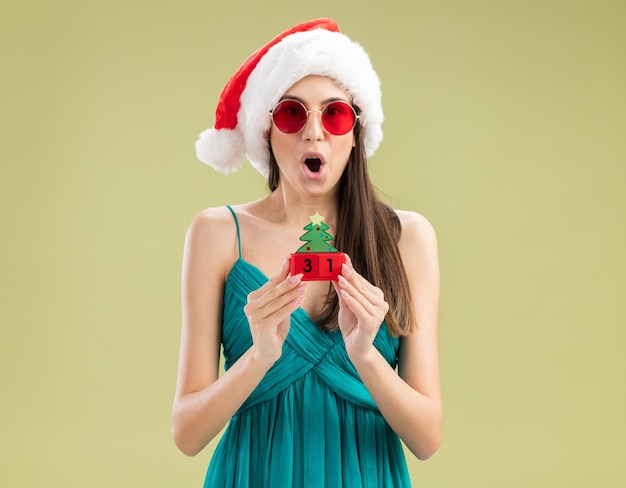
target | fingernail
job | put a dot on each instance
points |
(296, 278)
(299, 300)
(345, 269)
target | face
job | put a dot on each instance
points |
(312, 160)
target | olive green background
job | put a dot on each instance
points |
(505, 126)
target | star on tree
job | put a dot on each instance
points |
(316, 219)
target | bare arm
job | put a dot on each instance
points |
(203, 403)
(410, 401)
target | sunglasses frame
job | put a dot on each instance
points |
(307, 112)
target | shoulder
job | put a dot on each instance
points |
(418, 246)
(211, 224)
(211, 239)
(211, 218)
(417, 231)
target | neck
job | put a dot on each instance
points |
(295, 209)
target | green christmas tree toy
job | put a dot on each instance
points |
(317, 260)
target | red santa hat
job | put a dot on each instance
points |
(242, 118)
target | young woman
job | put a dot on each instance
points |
(310, 393)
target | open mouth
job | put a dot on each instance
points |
(314, 164)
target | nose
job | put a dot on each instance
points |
(313, 129)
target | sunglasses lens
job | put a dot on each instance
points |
(289, 116)
(338, 118)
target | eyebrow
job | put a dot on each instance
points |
(324, 102)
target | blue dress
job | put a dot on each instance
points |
(310, 422)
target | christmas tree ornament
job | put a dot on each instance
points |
(317, 260)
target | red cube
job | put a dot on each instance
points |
(317, 266)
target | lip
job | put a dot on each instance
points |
(314, 175)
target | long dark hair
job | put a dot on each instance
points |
(368, 230)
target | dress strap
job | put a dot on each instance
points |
(237, 225)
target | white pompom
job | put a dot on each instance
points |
(221, 149)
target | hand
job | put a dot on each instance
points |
(362, 309)
(269, 312)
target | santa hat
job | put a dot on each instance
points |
(242, 118)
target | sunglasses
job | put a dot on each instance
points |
(290, 116)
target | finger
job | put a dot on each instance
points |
(282, 314)
(348, 289)
(266, 305)
(285, 287)
(284, 271)
(371, 298)
(354, 305)
(358, 281)
(361, 289)
(290, 299)
(338, 291)
(275, 281)
(278, 322)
